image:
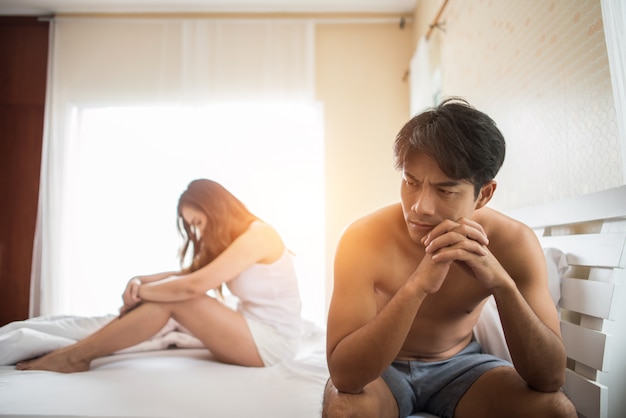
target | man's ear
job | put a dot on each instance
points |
(485, 194)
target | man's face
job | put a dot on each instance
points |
(429, 196)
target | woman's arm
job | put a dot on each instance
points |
(155, 277)
(131, 298)
(260, 243)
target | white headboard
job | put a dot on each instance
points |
(591, 231)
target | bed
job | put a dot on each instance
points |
(151, 380)
(584, 243)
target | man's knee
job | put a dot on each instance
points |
(502, 392)
(561, 407)
(345, 405)
(553, 405)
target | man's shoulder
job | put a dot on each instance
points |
(373, 245)
(380, 225)
(497, 222)
(505, 232)
(382, 218)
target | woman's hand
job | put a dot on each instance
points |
(131, 296)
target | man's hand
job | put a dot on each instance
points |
(465, 242)
(431, 274)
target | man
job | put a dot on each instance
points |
(411, 280)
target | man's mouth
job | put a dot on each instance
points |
(420, 225)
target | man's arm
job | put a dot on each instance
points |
(361, 342)
(529, 317)
(516, 275)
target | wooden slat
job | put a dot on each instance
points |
(589, 398)
(596, 342)
(585, 345)
(587, 297)
(603, 250)
(606, 204)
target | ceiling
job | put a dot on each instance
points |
(48, 7)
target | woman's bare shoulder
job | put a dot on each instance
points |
(267, 237)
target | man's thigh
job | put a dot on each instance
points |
(501, 392)
(376, 400)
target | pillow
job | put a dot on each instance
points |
(488, 330)
(556, 262)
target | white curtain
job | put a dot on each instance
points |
(419, 80)
(424, 82)
(112, 81)
(614, 20)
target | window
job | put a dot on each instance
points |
(133, 163)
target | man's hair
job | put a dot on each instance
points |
(465, 143)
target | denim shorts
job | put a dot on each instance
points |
(436, 387)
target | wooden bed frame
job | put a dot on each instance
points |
(591, 231)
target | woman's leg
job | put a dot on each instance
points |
(223, 331)
(138, 325)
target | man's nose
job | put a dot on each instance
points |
(424, 204)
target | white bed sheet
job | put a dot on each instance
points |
(171, 383)
(188, 382)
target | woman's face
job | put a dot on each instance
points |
(195, 218)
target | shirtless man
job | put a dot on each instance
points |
(411, 280)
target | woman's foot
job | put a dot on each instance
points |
(56, 361)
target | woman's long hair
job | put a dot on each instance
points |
(227, 218)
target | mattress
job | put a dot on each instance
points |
(175, 382)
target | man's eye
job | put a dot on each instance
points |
(446, 192)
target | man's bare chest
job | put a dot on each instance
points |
(459, 295)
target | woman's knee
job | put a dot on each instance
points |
(198, 303)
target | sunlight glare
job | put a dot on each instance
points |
(134, 162)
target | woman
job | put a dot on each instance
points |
(225, 245)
